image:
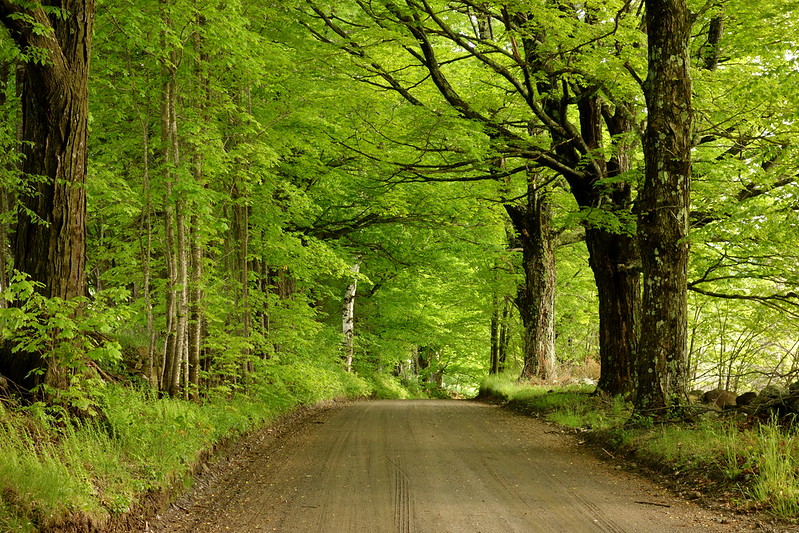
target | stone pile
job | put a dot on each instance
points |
(771, 401)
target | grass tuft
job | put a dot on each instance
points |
(776, 463)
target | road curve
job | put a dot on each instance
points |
(428, 466)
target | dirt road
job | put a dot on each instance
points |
(430, 467)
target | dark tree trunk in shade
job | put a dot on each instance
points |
(613, 259)
(49, 241)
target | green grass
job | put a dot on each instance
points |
(54, 468)
(37, 482)
(776, 463)
(757, 463)
(571, 405)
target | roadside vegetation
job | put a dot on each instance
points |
(62, 473)
(752, 463)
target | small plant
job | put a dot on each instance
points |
(70, 335)
(777, 464)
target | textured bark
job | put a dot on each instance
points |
(663, 206)
(9, 165)
(54, 126)
(613, 260)
(49, 242)
(613, 256)
(536, 296)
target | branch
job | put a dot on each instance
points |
(773, 300)
(32, 29)
(355, 49)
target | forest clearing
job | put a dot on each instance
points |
(215, 214)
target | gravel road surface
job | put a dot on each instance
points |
(426, 466)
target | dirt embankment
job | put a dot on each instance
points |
(427, 466)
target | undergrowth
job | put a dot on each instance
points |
(755, 464)
(54, 468)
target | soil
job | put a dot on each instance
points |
(429, 466)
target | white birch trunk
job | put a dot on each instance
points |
(348, 318)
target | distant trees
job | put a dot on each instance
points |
(519, 97)
(558, 88)
(235, 208)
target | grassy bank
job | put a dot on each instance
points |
(58, 473)
(751, 465)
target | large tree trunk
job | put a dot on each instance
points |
(50, 239)
(536, 297)
(613, 255)
(613, 259)
(663, 206)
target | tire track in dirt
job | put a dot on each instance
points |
(555, 484)
(428, 466)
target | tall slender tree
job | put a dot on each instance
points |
(536, 295)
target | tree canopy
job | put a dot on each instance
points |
(537, 187)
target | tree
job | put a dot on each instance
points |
(543, 84)
(49, 242)
(348, 318)
(536, 295)
(663, 208)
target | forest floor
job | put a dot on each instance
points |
(429, 466)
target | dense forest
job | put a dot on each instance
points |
(212, 205)
(198, 194)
